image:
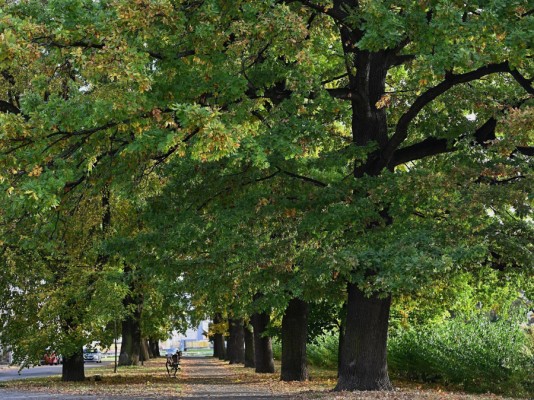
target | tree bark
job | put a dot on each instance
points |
(153, 345)
(236, 342)
(364, 361)
(218, 339)
(73, 369)
(145, 354)
(294, 336)
(226, 356)
(363, 364)
(149, 349)
(341, 338)
(340, 347)
(249, 346)
(263, 349)
(131, 334)
(219, 344)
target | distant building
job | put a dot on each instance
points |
(193, 338)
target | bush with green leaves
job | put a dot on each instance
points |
(473, 351)
(323, 352)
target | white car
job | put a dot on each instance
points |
(93, 355)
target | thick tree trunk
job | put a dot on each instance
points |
(263, 349)
(236, 342)
(73, 369)
(131, 325)
(131, 339)
(364, 361)
(149, 349)
(154, 347)
(145, 354)
(218, 339)
(218, 346)
(226, 356)
(249, 346)
(294, 336)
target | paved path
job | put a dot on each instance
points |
(205, 378)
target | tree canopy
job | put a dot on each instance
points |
(202, 152)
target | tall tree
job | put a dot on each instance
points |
(363, 104)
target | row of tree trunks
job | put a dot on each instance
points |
(254, 349)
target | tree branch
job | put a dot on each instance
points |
(526, 151)
(89, 45)
(229, 188)
(433, 146)
(494, 182)
(426, 148)
(396, 60)
(524, 82)
(303, 178)
(6, 107)
(451, 80)
(162, 157)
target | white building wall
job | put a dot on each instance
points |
(179, 340)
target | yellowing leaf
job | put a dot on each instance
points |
(384, 101)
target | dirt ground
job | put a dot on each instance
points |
(208, 378)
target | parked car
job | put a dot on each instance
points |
(50, 358)
(93, 355)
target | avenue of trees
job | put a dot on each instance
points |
(309, 162)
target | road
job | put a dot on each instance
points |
(11, 373)
(21, 395)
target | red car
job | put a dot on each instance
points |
(50, 359)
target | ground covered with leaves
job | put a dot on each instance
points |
(204, 377)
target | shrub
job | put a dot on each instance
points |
(323, 352)
(475, 352)
(277, 349)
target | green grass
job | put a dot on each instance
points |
(201, 352)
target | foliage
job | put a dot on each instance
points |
(470, 350)
(324, 351)
(486, 289)
(259, 147)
